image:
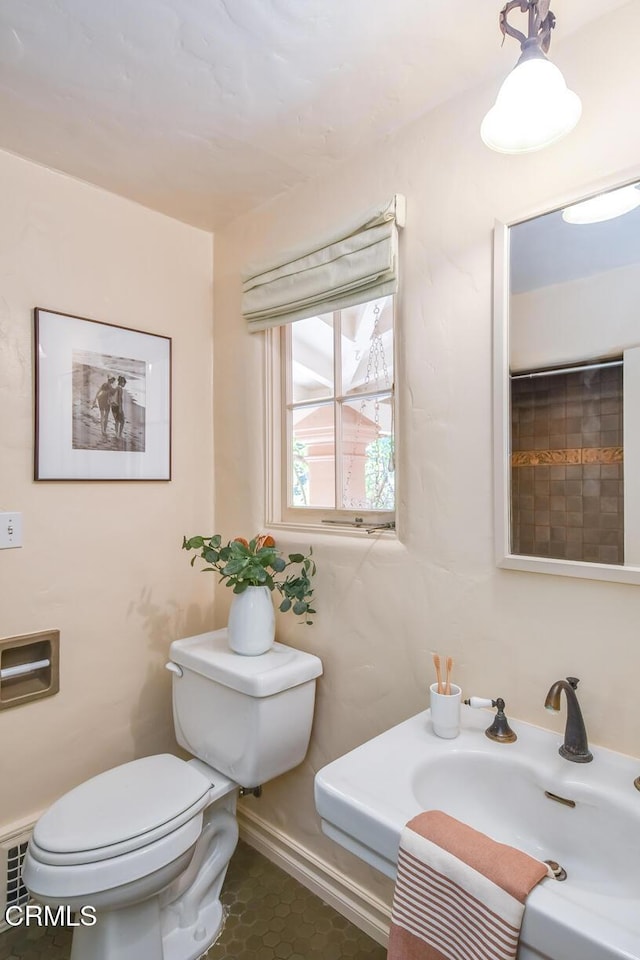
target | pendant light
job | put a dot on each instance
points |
(534, 106)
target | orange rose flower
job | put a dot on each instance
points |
(264, 540)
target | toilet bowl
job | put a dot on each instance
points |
(147, 843)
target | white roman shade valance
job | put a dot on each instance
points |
(360, 263)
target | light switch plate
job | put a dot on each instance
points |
(10, 530)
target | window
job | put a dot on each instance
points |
(329, 313)
(333, 386)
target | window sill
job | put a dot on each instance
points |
(335, 530)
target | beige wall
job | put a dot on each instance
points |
(101, 561)
(581, 319)
(383, 606)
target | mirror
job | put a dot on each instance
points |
(567, 389)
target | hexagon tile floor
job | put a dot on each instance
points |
(270, 916)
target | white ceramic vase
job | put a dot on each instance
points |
(252, 622)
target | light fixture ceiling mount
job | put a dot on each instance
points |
(534, 107)
(541, 22)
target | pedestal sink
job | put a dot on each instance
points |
(586, 817)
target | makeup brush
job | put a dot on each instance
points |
(449, 667)
(436, 663)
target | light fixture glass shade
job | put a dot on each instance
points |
(533, 109)
(606, 206)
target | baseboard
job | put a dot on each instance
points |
(366, 911)
(26, 825)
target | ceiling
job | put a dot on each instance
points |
(203, 109)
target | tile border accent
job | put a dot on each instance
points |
(534, 458)
(363, 909)
(603, 455)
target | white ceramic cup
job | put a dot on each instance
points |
(445, 711)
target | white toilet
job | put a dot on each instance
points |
(147, 843)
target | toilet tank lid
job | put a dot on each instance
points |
(279, 669)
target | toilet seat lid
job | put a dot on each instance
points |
(138, 801)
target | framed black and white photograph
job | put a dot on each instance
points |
(103, 400)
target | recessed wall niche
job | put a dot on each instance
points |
(29, 668)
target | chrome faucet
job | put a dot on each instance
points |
(575, 746)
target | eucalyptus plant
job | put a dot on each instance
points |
(258, 563)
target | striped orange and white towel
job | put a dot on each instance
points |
(459, 894)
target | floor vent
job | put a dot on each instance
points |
(13, 892)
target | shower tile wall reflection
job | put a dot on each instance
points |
(567, 466)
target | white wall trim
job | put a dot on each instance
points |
(366, 911)
(10, 830)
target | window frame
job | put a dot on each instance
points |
(279, 457)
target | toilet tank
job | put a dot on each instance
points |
(247, 717)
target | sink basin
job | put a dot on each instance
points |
(595, 837)
(584, 816)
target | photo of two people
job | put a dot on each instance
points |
(108, 402)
